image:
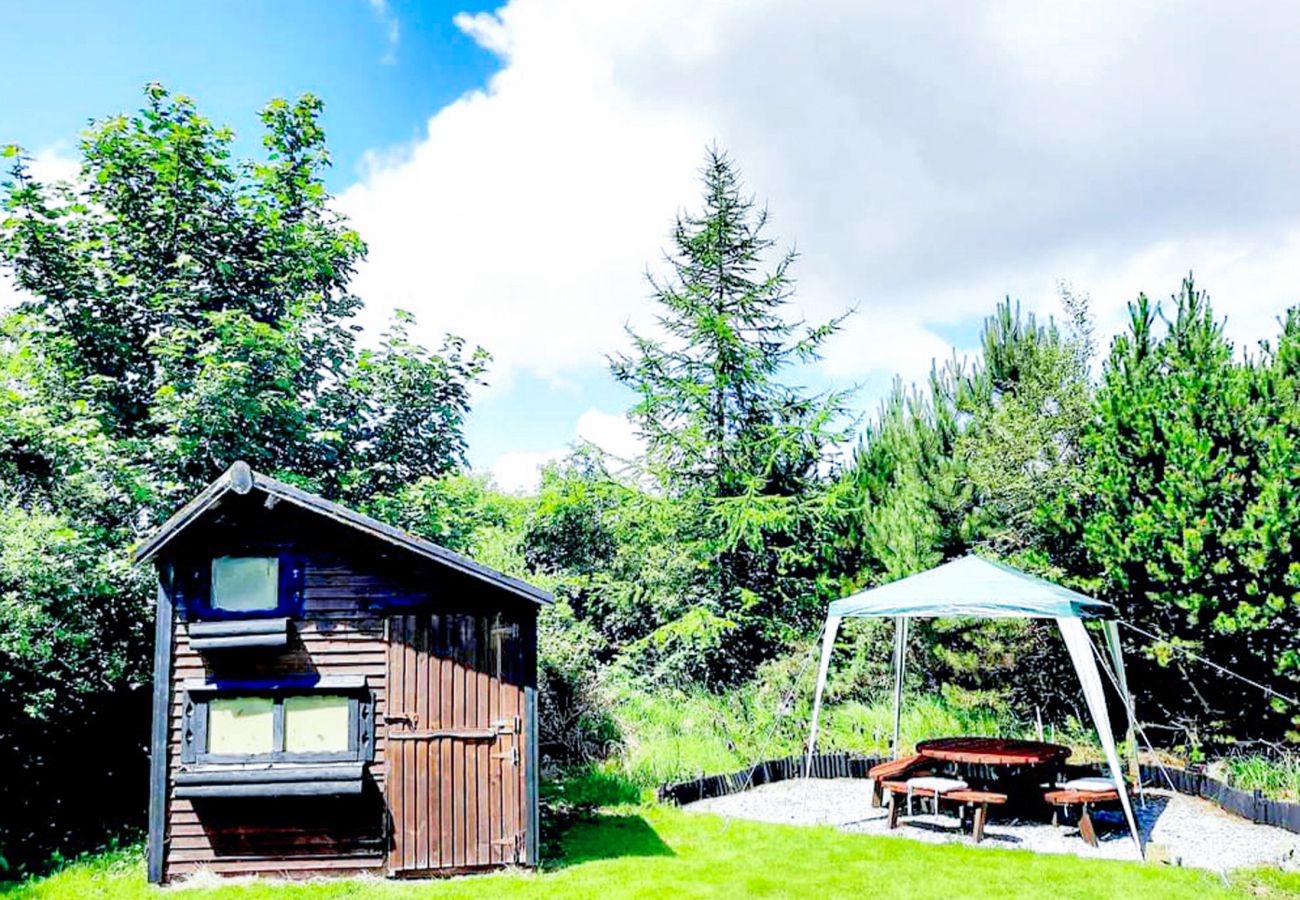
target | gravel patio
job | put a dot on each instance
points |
(1190, 831)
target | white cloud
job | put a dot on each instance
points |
(54, 163)
(929, 159)
(612, 433)
(519, 471)
(57, 162)
(10, 295)
(392, 28)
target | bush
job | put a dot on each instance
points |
(575, 723)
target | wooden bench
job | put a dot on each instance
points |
(894, 769)
(1064, 798)
(977, 800)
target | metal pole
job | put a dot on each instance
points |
(900, 649)
(1110, 629)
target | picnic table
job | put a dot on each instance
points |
(994, 771)
(1003, 770)
(986, 751)
(1014, 767)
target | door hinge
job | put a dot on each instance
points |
(512, 755)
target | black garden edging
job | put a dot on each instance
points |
(1247, 804)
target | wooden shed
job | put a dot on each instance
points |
(333, 695)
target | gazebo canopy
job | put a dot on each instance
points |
(972, 586)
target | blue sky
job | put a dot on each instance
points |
(516, 170)
(84, 59)
(383, 70)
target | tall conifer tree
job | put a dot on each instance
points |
(724, 427)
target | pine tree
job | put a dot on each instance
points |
(723, 428)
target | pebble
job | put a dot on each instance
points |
(1182, 830)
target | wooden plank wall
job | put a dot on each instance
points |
(338, 635)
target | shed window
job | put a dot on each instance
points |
(245, 583)
(241, 726)
(278, 725)
(316, 723)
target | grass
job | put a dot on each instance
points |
(674, 736)
(1277, 776)
(655, 851)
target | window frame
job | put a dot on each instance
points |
(361, 723)
(193, 586)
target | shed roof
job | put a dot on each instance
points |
(240, 479)
(972, 586)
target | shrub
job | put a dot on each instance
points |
(574, 712)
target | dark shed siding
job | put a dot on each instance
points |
(337, 635)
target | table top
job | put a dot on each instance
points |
(992, 751)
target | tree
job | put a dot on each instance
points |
(723, 428)
(202, 306)
(1028, 406)
(181, 310)
(1187, 514)
(967, 464)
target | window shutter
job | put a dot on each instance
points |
(293, 576)
(192, 587)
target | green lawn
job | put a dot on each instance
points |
(656, 851)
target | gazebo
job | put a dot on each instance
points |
(980, 588)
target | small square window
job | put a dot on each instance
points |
(317, 723)
(241, 726)
(245, 583)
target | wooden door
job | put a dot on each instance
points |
(455, 754)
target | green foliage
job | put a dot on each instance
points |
(730, 441)
(201, 307)
(456, 511)
(674, 735)
(966, 464)
(572, 527)
(180, 310)
(575, 710)
(1168, 489)
(1187, 514)
(1276, 776)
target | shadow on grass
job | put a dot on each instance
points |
(606, 836)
